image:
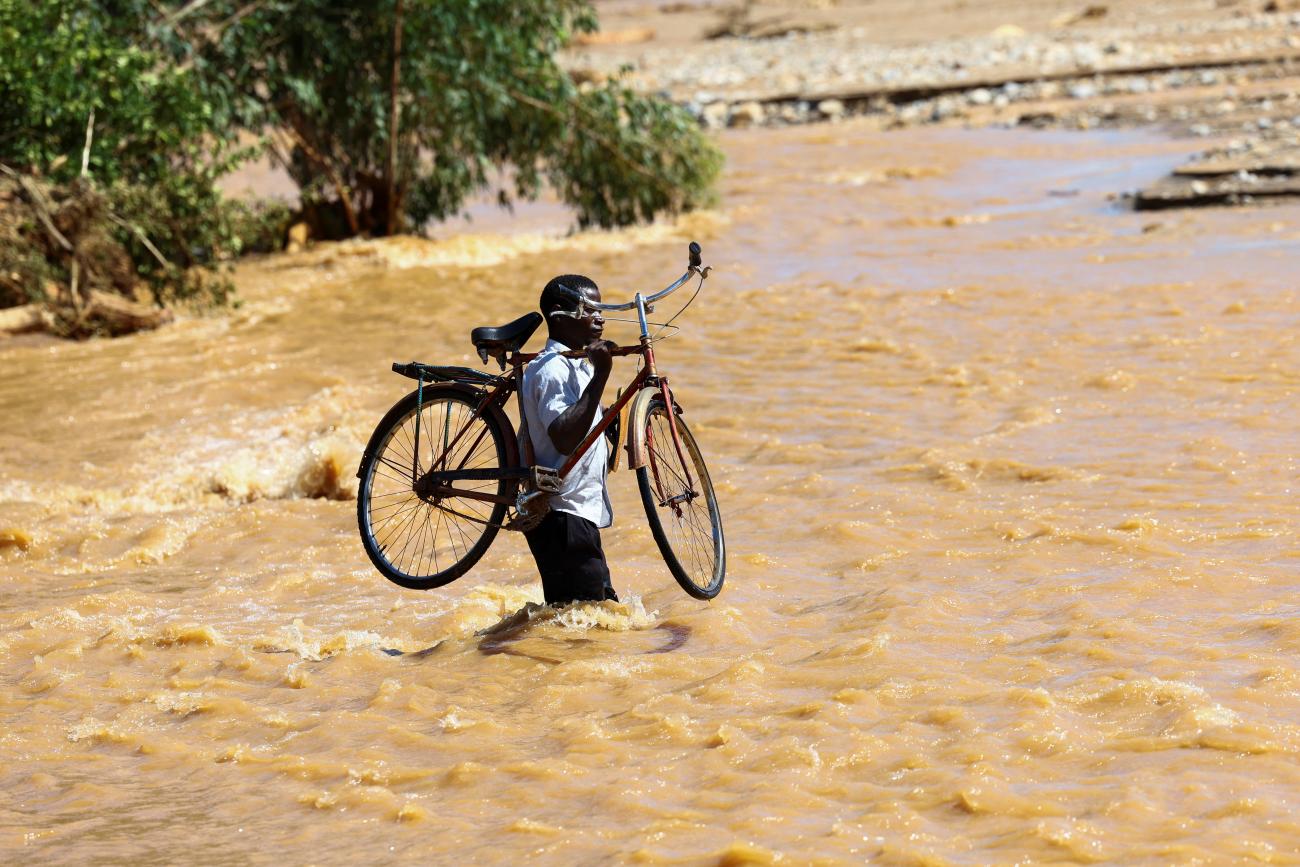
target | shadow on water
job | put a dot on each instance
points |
(500, 637)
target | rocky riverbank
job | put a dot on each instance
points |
(1220, 71)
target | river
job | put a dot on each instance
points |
(1009, 479)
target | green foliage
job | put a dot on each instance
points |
(631, 158)
(156, 94)
(77, 75)
(60, 60)
(480, 98)
(257, 226)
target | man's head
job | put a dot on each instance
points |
(568, 320)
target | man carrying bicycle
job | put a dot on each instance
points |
(561, 400)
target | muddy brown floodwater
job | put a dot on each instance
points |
(1009, 480)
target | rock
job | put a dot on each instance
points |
(944, 108)
(980, 96)
(715, 114)
(832, 109)
(298, 236)
(747, 114)
(1082, 90)
(1008, 31)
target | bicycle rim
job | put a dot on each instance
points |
(681, 507)
(419, 543)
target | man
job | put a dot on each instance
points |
(561, 399)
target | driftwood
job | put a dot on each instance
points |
(62, 257)
(99, 313)
(25, 320)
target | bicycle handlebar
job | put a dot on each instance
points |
(694, 268)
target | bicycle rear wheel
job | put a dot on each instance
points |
(681, 507)
(423, 541)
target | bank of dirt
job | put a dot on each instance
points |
(1227, 73)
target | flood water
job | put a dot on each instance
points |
(1009, 481)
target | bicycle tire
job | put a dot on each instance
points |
(696, 555)
(406, 537)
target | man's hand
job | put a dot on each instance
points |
(572, 425)
(599, 354)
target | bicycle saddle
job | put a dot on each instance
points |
(497, 341)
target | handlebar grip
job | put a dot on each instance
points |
(695, 259)
(571, 294)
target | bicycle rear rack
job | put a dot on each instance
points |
(439, 373)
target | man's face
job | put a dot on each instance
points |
(593, 320)
(577, 331)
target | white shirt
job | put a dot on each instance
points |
(552, 384)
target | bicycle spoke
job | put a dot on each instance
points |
(681, 501)
(418, 539)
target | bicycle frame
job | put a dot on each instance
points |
(440, 482)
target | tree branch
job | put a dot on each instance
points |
(144, 239)
(90, 135)
(333, 176)
(42, 209)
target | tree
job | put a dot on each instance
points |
(116, 149)
(389, 113)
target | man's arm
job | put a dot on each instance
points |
(572, 425)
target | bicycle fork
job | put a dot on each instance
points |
(670, 408)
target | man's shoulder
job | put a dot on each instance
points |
(548, 366)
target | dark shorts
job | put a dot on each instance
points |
(570, 559)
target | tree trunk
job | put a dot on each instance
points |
(394, 221)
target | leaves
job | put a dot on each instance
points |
(175, 85)
(482, 97)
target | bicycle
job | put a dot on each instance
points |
(442, 473)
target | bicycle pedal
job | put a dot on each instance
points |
(547, 479)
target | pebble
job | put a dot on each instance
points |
(710, 83)
(746, 114)
(831, 108)
(715, 114)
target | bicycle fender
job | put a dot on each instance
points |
(507, 428)
(636, 420)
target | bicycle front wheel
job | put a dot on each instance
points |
(418, 540)
(681, 507)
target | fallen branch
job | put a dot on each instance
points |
(90, 135)
(25, 319)
(39, 203)
(144, 239)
